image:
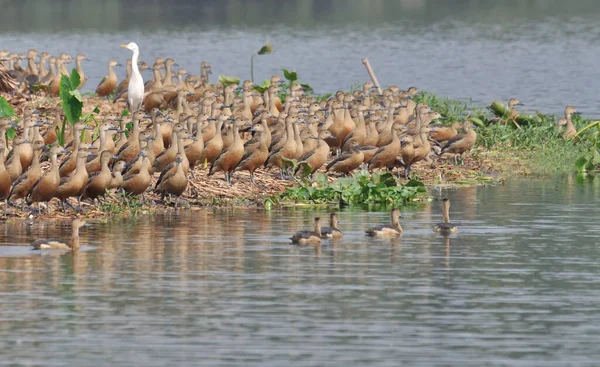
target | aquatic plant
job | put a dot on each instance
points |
(362, 188)
(265, 50)
(71, 102)
(6, 110)
(122, 203)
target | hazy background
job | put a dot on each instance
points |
(542, 51)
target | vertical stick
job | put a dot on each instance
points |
(365, 61)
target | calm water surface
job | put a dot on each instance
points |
(518, 285)
(544, 52)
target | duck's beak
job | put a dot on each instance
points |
(123, 45)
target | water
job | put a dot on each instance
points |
(518, 285)
(544, 52)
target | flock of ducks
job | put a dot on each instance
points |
(314, 237)
(391, 230)
(182, 124)
(179, 125)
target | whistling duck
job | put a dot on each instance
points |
(13, 164)
(84, 78)
(461, 143)
(70, 163)
(347, 161)
(131, 149)
(45, 188)
(230, 157)
(194, 150)
(332, 231)
(167, 156)
(25, 182)
(309, 237)
(135, 164)
(50, 134)
(109, 82)
(287, 150)
(359, 134)
(445, 228)
(407, 153)
(213, 147)
(185, 164)
(100, 180)
(384, 230)
(386, 155)
(73, 185)
(441, 133)
(570, 131)
(95, 163)
(52, 244)
(137, 183)
(174, 183)
(317, 157)
(255, 155)
(421, 148)
(43, 70)
(117, 175)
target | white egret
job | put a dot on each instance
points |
(135, 90)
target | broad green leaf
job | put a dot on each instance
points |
(125, 113)
(589, 166)
(97, 110)
(307, 88)
(291, 76)
(6, 109)
(75, 79)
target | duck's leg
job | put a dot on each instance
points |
(252, 177)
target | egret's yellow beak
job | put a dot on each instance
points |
(123, 45)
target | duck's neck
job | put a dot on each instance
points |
(446, 213)
(35, 163)
(79, 68)
(199, 134)
(396, 224)
(74, 239)
(32, 66)
(318, 228)
(54, 162)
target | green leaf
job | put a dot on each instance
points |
(97, 110)
(76, 95)
(11, 133)
(589, 166)
(6, 109)
(307, 88)
(580, 164)
(75, 79)
(266, 49)
(291, 76)
(125, 113)
(228, 80)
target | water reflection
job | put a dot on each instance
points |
(226, 287)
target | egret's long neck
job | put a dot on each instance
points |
(134, 63)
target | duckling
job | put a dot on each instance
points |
(25, 182)
(229, 158)
(317, 157)
(109, 82)
(332, 231)
(461, 143)
(117, 175)
(73, 186)
(174, 183)
(137, 183)
(309, 237)
(44, 189)
(446, 227)
(100, 180)
(384, 230)
(52, 244)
